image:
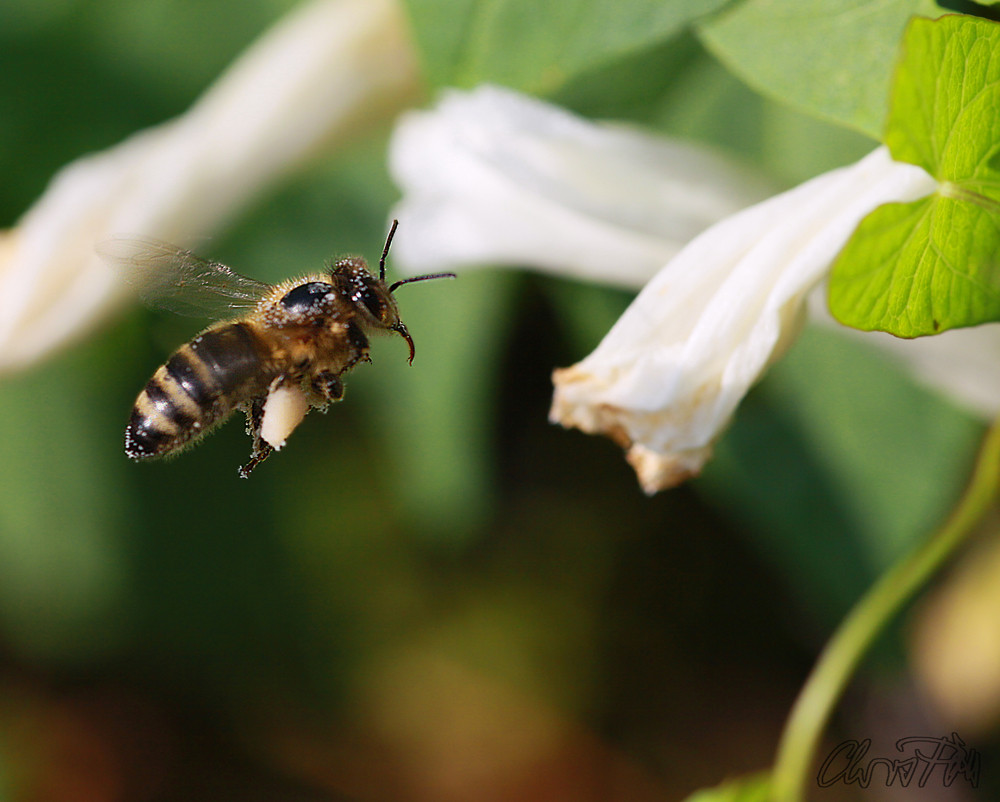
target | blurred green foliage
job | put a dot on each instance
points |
(434, 511)
(538, 47)
(834, 60)
(756, 788)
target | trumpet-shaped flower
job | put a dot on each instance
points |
(666, 379)
(494, 177)
(329, 69)
(491, 177)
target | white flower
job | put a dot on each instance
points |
(666, 379)
(494, 177)
(328, 70)
(491, 177)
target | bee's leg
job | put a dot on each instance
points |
(261, 449)
(359, 346)
(326, 387)
(256, 458)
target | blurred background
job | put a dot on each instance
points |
(432, 593)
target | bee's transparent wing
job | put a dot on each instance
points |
(167, 277)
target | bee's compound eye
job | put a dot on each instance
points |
(306, 298)
(366, 296)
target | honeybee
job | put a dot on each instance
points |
(282, 351)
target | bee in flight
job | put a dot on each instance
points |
(282, 350)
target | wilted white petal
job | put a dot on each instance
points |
(666, 379)
(494, 177)
(321, 74)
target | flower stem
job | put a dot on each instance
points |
(841, 656)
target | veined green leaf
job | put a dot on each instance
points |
(931, 265)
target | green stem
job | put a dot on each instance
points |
(886, 599)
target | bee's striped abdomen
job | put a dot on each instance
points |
(199, 385)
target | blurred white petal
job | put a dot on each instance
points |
(321, 75)
(960, 364)
(494, 177)
(963, 364)
(666, 379)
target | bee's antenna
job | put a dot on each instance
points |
(401, 282)
(385, 251)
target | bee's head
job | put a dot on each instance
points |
(369, 294)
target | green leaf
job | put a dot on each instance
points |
(679, 89)
(755, 788)
(830, 58)
(537, 47)
(944, 107)
(931, 265)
